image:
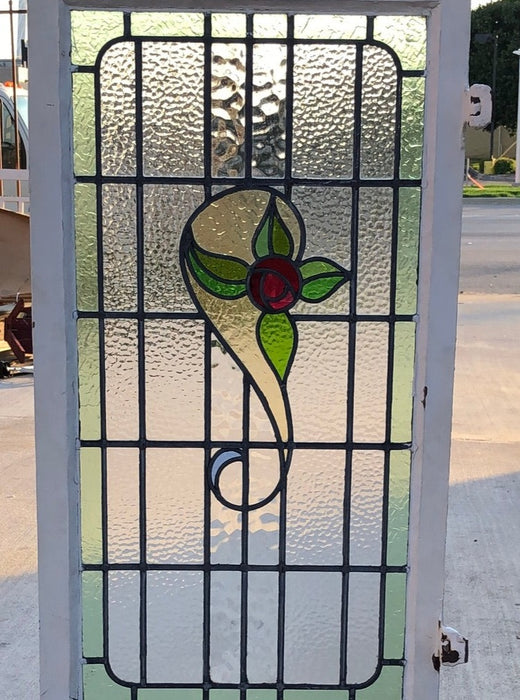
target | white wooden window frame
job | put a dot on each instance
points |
(53, 281)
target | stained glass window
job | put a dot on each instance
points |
(247, 223)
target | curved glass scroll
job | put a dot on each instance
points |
(242, 254)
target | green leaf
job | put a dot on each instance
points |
(261, 240)
(272, 236)
(227, 269)
(320, 288)
(277, 339)
(281, 238)
(319, 266)
(211, 284)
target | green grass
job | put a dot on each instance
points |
(492, 191)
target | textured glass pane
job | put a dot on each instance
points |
(262, 627)
(226, 395)
(389, 686)
(97, 684)
(228, 110)
(330, 26)
(363, 627)
(408, 250)
(123, 628)
(174, 505)
(226, 524)
(314, 510)
(167, 694)
(395, 615)
(404, 348)
(269, 99)
(323, 110)
(412, 126)
(83, 124)
(123, 504)
(121, 368)
(224, 694)
(312, 627)
(370, 382)
(318, 395)
(314, 695)
(174, 626)
(374, 250)
(270, 26)
(91, 533)
(118, 106)
(88, 378)
(86, 247)
(92, 599)
(228, 24)
(398, 504)
(173, 133)
(406, 35)
(166, 210)
(167, 24)
(90, 31)
(264, 533)
(225, 627)
(174, 378)
(261, 695)
(119, 248)
(378, 117)
(366, 509)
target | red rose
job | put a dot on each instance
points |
(274, 284)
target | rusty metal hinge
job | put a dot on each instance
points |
(453, 648)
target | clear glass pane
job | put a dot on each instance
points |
(370, 382)
(363, 627)
(366, 507)
(167, 24)
(270, 26)
(404, 349)
(262, 627)
(121, 369)
(323, 110)
(123, 505)
(123, 628)
(395, 603)
(408, 250)
(119, 248)
(97, 684)
(88, 379)
(173, 134)
(90, 485)
(118, 105)
(330, 26)
(228, 24)
(412, 127)
(174, 626)
(90, 31)
(225, 626)
(406, 36)
(398, 505)
(86, 247)
(92, 600)
(84, 132)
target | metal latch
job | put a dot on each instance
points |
(453, 648)
(479, 105)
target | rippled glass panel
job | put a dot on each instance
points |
(84, 125)
(90, 32)
(86, 247)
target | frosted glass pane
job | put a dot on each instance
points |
(366, 509)
(92, 600)
(312, 627)
(90, 484)
(330, 26)
(167, 694)
(270, 26)
(269, 100)
(261, 695)
(395, 615)
(86, 247)
(226, 395)
(121, 369)
(408, 250)
(123, 627)
(314, 695)
(173, 128)
(228, 110)
(97, 684)
(83, 124)
(314, 509)
(406, 35)
(174, 505)
(166, 210)
(123, 505)
(174, 626)
(262, 627)
(389, 686)
(88, 379)
(174, 378)
(318, 382)
(117, 75)
(119, 248)
(90, 31)
(404, 348)
(224, 694)
(398, 504)
(225, 627)
(374, 250)
(264, 466)
(167, 24)
(323, 110)
(363, 627)
(378, 113)
(370, 382)
(226, 524)
(228, 24)
(412, 126)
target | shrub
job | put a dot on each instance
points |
(504, 166)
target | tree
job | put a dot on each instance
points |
(501, 19)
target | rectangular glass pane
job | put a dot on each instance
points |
(370, 382)
(88, 379)
(167, 24)
(123, 505)
(408, 250)
(395, 615)
(97, 684)
(262, 627)
(225, 626)
(363, 627)
(86, 247)
(83, 124)
(121, 372)
(90, 485)
(90, 31)
(270, 26)
(398, 506)
(404, 344)
(123, 628)
(92, 599)
(406, 36)
(228, 24)
(412, 127)
(366, 507)
(119, 247)
(330, 27)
